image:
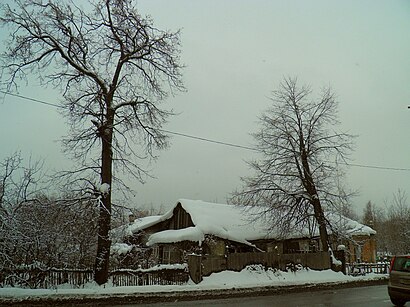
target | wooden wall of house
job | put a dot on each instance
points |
(214, 246)
(274, 247)
(362, 249)
(358, 248)
(369, 250)
(180, 218)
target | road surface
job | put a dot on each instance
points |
(374, 296)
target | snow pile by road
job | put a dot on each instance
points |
(257, 276)
(251, 276)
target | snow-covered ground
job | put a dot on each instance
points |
(251, 276)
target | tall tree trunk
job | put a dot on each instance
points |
(102, 259)
(314, 197)
(320, 218)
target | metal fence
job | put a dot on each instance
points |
(356, 269)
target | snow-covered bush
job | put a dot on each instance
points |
(56, 231)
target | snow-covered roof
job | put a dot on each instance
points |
(177, 235)
(117, 234)
(235, 223)
(221, 220)
(349, 226)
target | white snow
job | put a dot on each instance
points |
(120, 248)
(159, 267)
(104, 188)
(349, 226)
(225, 221)
(335, 261)
(118, 234)
(172, 236)
(252, 276)
(256, 276)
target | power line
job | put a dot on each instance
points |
(31, 99)
(210, 140)
(379, 167)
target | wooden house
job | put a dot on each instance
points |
(204, 228)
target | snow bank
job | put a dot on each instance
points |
(257, 276)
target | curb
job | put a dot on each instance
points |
(162, 297)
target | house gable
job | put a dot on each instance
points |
(175, 220)
(180, 218)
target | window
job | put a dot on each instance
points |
(290, 247)
(169, 254)
(166, 254)
(401, 264)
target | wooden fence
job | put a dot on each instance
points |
(51, 278)
(317, 261)
(205, 265)
(48, 278)
(146, 277)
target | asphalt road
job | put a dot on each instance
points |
(375, 296)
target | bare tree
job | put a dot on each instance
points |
(369, 214)
(113, 68)
(19, 185)
(295, 178)
(375, 217)
(398, 224)
(392, 223)
(56, 232)
(39, 229)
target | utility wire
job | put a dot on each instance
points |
(378, 167)
(32, 99)
(210, 140)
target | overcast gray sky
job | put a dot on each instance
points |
(236, 53)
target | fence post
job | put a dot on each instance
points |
(340, 254)
(195, 267)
